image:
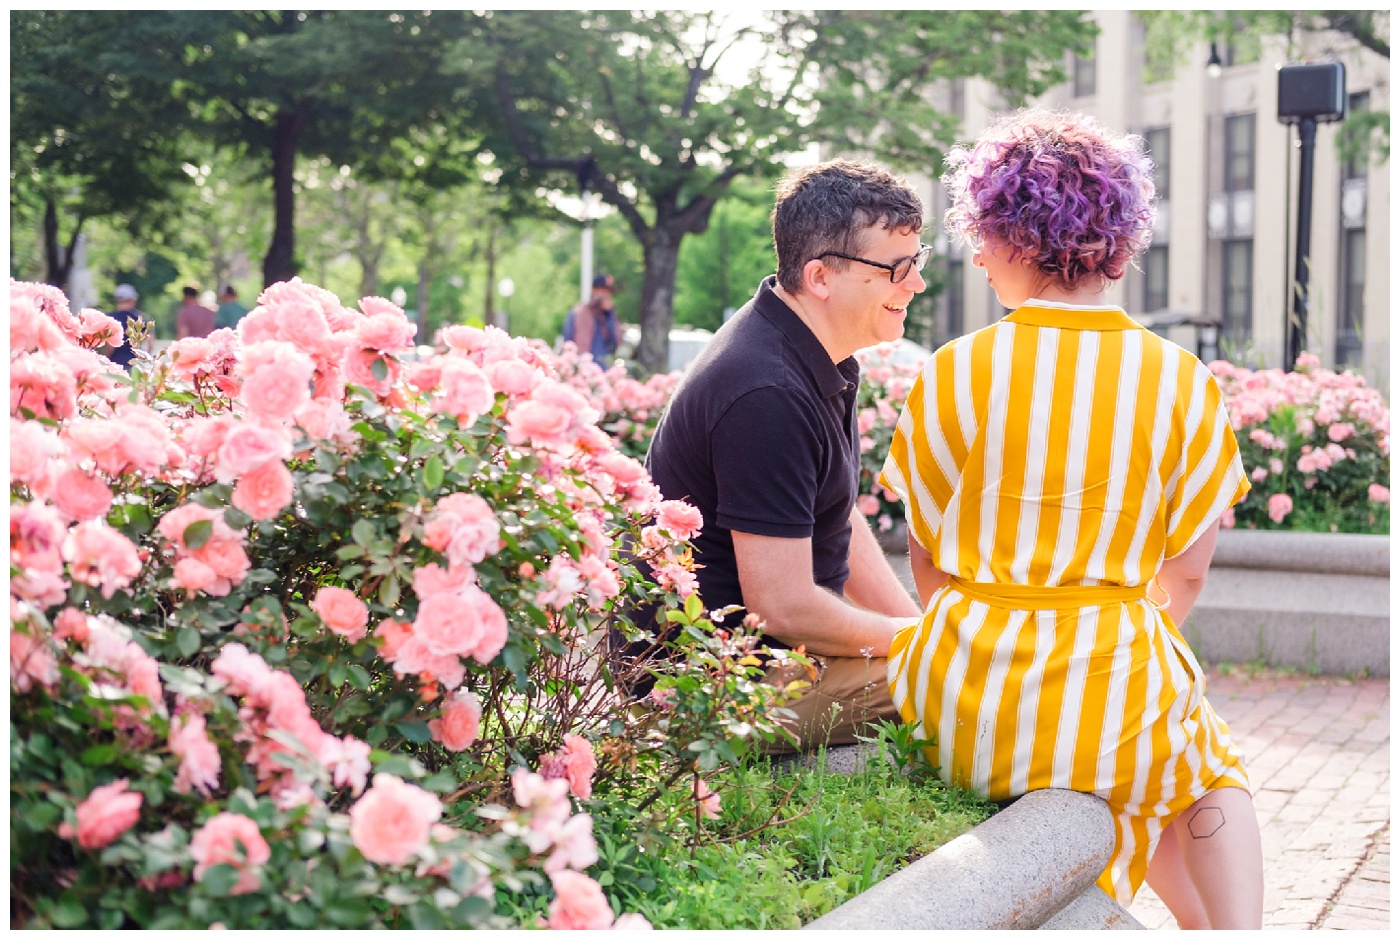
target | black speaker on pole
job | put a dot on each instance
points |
(1307, 94)
(1313, 90)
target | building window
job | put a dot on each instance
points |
(1084, 77)
(1159, 148)
(1350, 315)
(957, 96)
(953, 325)
(1355, 167)
(1154, 269)
(1238, 300)
(1239, 153)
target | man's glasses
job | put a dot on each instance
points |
(899, 270)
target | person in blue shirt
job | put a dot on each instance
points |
(592, 326)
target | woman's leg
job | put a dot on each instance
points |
(1212, 851)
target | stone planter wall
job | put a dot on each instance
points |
(1033, 865)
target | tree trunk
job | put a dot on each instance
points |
(280, 262)
(58, 261)
(660, 253)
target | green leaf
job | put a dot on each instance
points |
(188, 641)
(693, 607)
(415, 731)
(359, 677)
(198, 533)
(220, 879)
(433, 472)
(363, 532)
(389, 592)
(379, 369)
(424, 916)
(99, 755)
(444, 781)
(237, 518)
(336, 674)
(68, 912)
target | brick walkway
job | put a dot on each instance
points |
(1318, 755)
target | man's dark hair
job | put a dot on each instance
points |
(828, 207)
(191, 291)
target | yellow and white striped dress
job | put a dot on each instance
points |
(1050, 463)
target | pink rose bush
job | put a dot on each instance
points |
(1315, 443)
(307, 627)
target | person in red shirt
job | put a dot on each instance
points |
(193, 318)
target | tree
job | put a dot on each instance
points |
(720, 268)
(276, 84)
(638, 105)
(1170, 33)
(88, 139)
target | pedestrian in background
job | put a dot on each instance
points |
(126, 312)
(230, 310)
(592, 326)
(193, 318)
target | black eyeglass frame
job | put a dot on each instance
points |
(914, 262)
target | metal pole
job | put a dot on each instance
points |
(585, 277)
(1298, 323)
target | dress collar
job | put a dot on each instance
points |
(1036, 312)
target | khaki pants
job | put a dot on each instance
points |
(849, 694)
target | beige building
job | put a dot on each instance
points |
(1228, 187)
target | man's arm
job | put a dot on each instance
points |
(775, 575)
(1183, 577)
(872, 583)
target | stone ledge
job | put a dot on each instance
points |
(1320, 552)
(1028, 864)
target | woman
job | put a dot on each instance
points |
(1054, 465)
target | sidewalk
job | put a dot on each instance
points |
(1318, 754)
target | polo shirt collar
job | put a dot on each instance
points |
(831, 378)
(1036, 312)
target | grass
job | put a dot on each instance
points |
(791, 844)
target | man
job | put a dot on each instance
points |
(592, 326)
(193, 318)
(126, 312)
(230, 310)
(761, 437)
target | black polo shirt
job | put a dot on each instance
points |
(761, 437)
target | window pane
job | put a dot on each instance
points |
(1084, 81)
(1239, 152)
(1356, 168)
(1155, 295)
(1349, 323)
(1238, 299)
(1159, 149)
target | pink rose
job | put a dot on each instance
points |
(682, 520)
(247, 447)
(537, 423)
(392, 822)
(264, 491)
(393, 634)
(457, 728)
(70, 623)
(235, 840)
(343, 612)
(278, 390)
(578, 903)
(469, 623)
(1280, 505)
(107, 812)
(101, 557)
(31, 661)
(385, 330)
(513, 377)
(867, 504)
(1340, 431)
(709, 801)
(433, 579)
(573, 762)
(31, 447)
(193, 576)
(574, 845)
(463, 391)
(464, 526)
(413, 658)
(81, 497)
(1377, 493)
(199, 758)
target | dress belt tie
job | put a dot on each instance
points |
(1041, 597)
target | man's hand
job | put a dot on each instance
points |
(775, 575)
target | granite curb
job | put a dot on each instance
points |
(1034, 864)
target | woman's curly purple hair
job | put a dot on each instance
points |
(1059, 189)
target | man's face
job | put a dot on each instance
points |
(868, 309)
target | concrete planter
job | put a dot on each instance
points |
(1314, 601)
(1033, 865)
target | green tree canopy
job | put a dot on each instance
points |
(639, 104)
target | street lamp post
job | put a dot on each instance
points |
(505, 287)
(1307, 94)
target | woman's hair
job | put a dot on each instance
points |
(1059, 189)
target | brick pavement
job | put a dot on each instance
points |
(1318, 754)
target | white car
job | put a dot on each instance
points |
(686, 343)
